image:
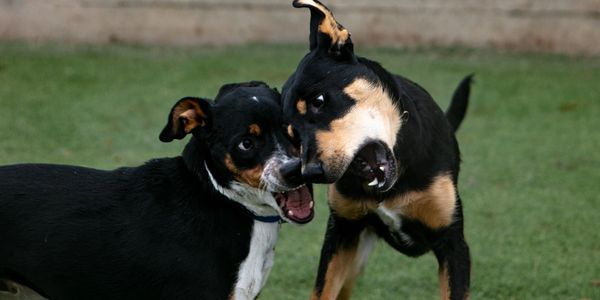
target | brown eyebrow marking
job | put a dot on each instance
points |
(301, 106)
(254, 129)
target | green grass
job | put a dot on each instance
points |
(530, 181)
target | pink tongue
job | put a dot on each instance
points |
(298, 201)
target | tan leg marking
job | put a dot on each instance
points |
(373, 116)
(444, 282)
(433, 206)
(250, 177)
(364, 249)
(337, 271)
(345, 267)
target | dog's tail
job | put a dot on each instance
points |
(460, 102)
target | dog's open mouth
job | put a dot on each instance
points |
(374, 165)
(297, 205)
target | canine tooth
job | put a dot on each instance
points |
(290, 213)
(382, 168)
(311, 204)
(381, 184)
(374, 182)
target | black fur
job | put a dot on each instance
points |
(425, 148)
(157, 231)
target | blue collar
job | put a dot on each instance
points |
(266, 219)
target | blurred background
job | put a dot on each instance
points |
(561, 26)
(90, 82)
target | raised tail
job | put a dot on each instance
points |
(460, 102)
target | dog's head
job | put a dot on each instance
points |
(250, 154)
(347, 118)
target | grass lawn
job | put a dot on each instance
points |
(530, 181)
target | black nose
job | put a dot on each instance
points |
(291, 172)
(313, 172)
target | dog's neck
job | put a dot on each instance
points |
(260, 203)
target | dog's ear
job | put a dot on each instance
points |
(325, 32)
(188, 115)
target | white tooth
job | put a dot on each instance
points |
(374, 182)
(290, 213)
(381, 184)
(311, 204)
(382, 168)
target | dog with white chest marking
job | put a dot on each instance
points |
(198, 226)
(388, 153)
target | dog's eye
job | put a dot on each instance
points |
(318, 101)
(246, 145)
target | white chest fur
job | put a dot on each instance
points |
(393, 221)
(255, 269)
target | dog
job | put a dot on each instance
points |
(388, 153)
(199, 226)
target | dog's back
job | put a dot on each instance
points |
(47, 213)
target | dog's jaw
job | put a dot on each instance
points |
(260, 202)
(290, 197)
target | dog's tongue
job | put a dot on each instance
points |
(297, 205)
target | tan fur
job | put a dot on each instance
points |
(301, 106)
(363, 250)
(254, 129)
(433, 206)
(191, 112)
(290, 131)
(444, 282)
(338, 34)
(338, 269)
(351, 209)
(250, 177)
(374, 116)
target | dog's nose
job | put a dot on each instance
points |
(291, 172)
(313, 172)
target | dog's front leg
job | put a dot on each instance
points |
(454, 261)
(347, 246)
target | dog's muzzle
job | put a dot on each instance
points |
(314, 172)
(375, 166)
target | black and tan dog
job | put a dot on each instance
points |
(199, 226)
(390, 155)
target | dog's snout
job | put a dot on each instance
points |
(291, 172)
(314, 172)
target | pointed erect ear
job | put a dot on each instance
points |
(325, 31)
(187, 114)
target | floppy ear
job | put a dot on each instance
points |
(325, 31)
(187, 114)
